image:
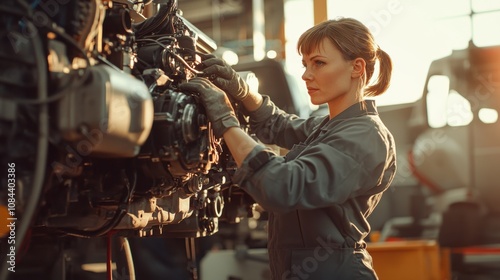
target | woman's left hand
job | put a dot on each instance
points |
(217, 104)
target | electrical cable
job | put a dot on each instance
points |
(175, 55)
(42, 147)
(119, 214)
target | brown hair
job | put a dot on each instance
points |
(353, 39)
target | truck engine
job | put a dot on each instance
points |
(95, 135)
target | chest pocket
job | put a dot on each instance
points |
(295, 152)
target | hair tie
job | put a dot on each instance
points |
(378, 51)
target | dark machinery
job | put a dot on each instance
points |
(94, 135)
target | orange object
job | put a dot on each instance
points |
(410, 260)
(4, 214)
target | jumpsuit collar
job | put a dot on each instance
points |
(365, 107)
(362, 108)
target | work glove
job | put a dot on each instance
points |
(224, 76)
(216, 103)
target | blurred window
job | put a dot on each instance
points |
(458, 111)
(484, 34)
(488, 115)
(438, 88)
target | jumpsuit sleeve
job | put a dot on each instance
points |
(272, 125)
(343, 166)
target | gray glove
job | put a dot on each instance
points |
(223, 76)
(218, 107)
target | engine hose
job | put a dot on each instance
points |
(420, 177)
(119, 214)
(144, 28)
(42, 146)
(124, 244)
(128, 256)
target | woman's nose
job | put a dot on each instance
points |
(306, 75)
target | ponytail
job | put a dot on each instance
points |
(384, 75)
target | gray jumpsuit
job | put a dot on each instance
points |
(320, 194)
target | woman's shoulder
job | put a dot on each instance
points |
(365, 130)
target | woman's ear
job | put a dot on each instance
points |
(358, 67)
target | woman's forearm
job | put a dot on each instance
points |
(252, 101)
(239, 143)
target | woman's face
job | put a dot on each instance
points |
(328, 75)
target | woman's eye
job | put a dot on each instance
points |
(318, 62)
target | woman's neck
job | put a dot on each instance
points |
(341, 103)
